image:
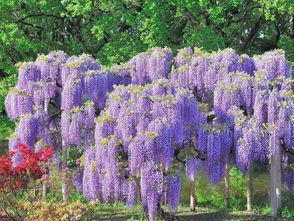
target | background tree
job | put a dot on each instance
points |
(115, 31)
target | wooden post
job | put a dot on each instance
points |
(138, 188)
(44, 184)
(192, 195)
(64, 186)
(34, 192)
(227, 185)
(250, 188)
(44, 189)
(275, 183)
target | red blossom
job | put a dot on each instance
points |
(30, 168)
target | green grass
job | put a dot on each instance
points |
(217, 214)
(121, 212)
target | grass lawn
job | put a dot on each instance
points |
(120, 212)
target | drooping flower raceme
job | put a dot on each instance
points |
(136, 136)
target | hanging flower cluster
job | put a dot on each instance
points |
(154, 115)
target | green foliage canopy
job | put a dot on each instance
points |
(114, 31)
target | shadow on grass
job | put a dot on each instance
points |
(106, 214)
(213, 216)
(118, 213)
(118, 216)
(200, 215)
(221, 216)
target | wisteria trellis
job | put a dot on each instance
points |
(195, 109)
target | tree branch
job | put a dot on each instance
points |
(32, 25)
(39, 15)
(252, 33)
(177, 151)
(244, 15)
(54, 115)
(278, 32)
(9, 54)
(191, 17)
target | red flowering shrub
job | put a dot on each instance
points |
(30, 168)
(14, 180)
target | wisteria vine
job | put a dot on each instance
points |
(142, 123)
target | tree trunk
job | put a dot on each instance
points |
(250, 188)
(64, 178)
(164, 194)
(138, 192)
(192, 195)
(227, 185)
(275, 183)
(165, 186)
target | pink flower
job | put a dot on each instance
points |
(66, 169)
(44, 178)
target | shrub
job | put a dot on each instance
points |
(47, 211)
(15, 180)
